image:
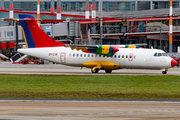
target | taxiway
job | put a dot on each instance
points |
(57, 69)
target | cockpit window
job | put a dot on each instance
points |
(164, 54)
(155, 54)
(159, 54)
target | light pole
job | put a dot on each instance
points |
(101, 21)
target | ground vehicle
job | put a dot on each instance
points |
(29, 62)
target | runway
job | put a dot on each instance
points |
(57, 69)
(89, 110)
(84, 110)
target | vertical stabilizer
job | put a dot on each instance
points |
(34, 36)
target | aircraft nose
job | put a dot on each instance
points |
(115, 49)
(173, 63)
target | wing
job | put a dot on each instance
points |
(96, 49)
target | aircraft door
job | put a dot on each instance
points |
(63, 57)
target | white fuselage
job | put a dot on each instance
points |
(125, 57)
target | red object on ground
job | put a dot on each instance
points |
(28, 62)
(176, 59)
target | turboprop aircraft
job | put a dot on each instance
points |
(95, 57)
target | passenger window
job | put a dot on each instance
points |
(159, 54)
(114, 56)
(155, 54)
(126, 56)
(73, 55)
(118, 56)
(81, 55)
(92, 55)
(95, 55)
(77, 55)
(84, 55)
(103, 56)
(99, 55)
(122, 56)
(134, 56)
(130, 56)
(88, 55)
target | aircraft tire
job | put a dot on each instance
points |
(95, 70)
(108, 71)
(164, 72)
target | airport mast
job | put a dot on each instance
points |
(170, 28)
(38, 11)
(11, 14)
(58, 15)
(101, 21)
(87, 9)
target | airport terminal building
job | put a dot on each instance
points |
(146, 21)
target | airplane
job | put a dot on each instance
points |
(95, 57)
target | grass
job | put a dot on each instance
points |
(90, 87)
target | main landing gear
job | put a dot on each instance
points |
(108, 71)
(164, 72)
(97, 70)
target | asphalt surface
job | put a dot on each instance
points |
(57, 69)
(44, 109)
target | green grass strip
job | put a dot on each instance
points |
(90, 87)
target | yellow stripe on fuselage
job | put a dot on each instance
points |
(24, 36)
(132, 46)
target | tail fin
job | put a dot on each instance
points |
(34, 36)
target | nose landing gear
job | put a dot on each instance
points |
(164, 71)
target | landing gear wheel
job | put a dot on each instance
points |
(108, 71)
(164, 72)
(95, 70)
